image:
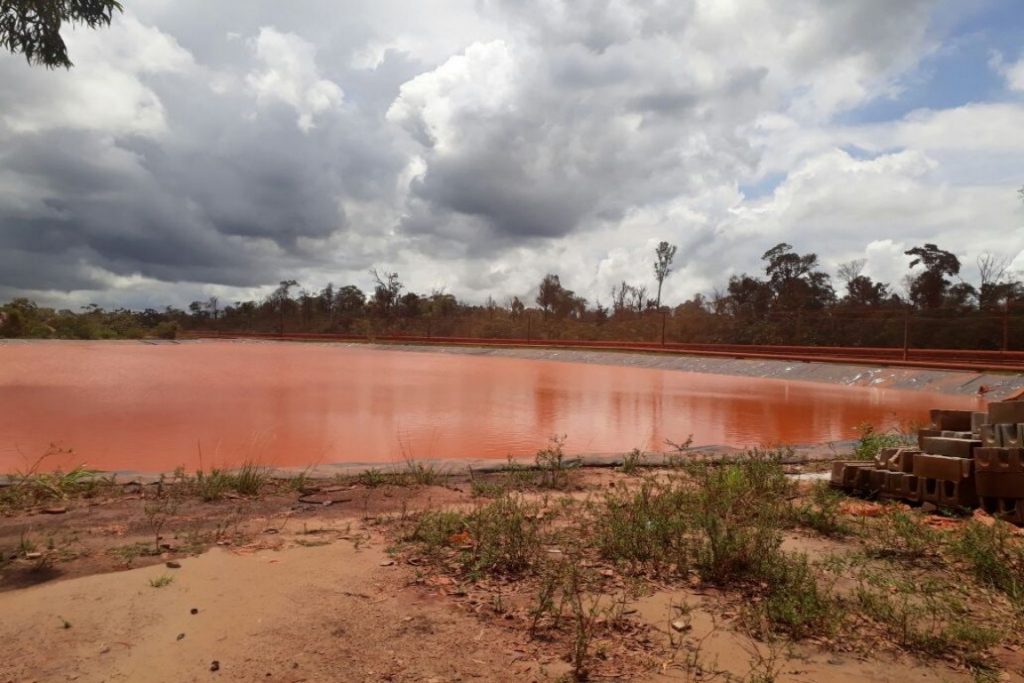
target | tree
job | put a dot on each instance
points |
(549, 292)
(385, 291)
(281, 300)
(552, 297)
(863, 291)
(928, 289)
(349, 301)
(851, 270)
(795, 281)
(662, 265)
(995, 290)
(32, 27)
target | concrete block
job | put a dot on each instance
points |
(893, 485)
(946, 493)
(956, 420)
(876, 481)
(844, 472)
(999, 484)
(928, 489)
(923, 434)
(949, 434)
(1008, 509)
(952, 448)
(862, 479)
(1006, 412)
(978, 419)
(910, 488)
(1009, 460)
(1009, 435)
(902, 460)
(957, 494)
(883, 455)
(990, 436)
(941, 467)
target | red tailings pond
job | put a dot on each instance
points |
(153, 407)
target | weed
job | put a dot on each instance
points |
(505, 536)
(128, 553)
(421, 474)
(821, 513)
(995, 556)
(552, 466)
(647, 528)
(250, 478)
(795, 603)
(158, 513)
(632, 461)
(212, 486)
(161, 581)
(923, 614)
(372, 478)
(738, 511)
(903, 536)
(872, 441)
(435, 529)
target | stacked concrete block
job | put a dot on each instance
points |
(964, 459)
(944, 480)
(999, 473)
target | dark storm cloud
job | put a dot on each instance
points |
(483, 140)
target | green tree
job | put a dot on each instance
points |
(32, 27)
(663, 265)
(928, 288)
(795, 280)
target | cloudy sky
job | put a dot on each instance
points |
(202, 148)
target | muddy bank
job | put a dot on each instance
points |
(998, 385)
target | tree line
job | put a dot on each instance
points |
(791, 301)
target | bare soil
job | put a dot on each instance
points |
(273, 588)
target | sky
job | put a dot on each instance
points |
(203, 149)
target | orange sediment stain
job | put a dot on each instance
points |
(153, 407)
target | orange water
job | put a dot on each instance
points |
(152, 407)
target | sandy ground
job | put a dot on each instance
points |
(331, 613)
(308, 592)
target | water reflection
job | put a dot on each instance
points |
(153, 407)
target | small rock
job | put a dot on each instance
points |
(680, 625)
(171, 564)
(193, 611)
(105, 649)
(215, 665)
(33, 555)
(55, 511)
(387, 563)
(271, 530)
(181, 636)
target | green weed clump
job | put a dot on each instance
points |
(821, 512)
(552, 466)
(739, 510)
(872, 441)
(795, 603)
(924, 614)
(902, 535)
(995, 555)
(648, 528)
(248, 480)
(502, 537)
(505, 536)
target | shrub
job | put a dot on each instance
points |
(871, 442)
(995, 556)
(648, 528)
